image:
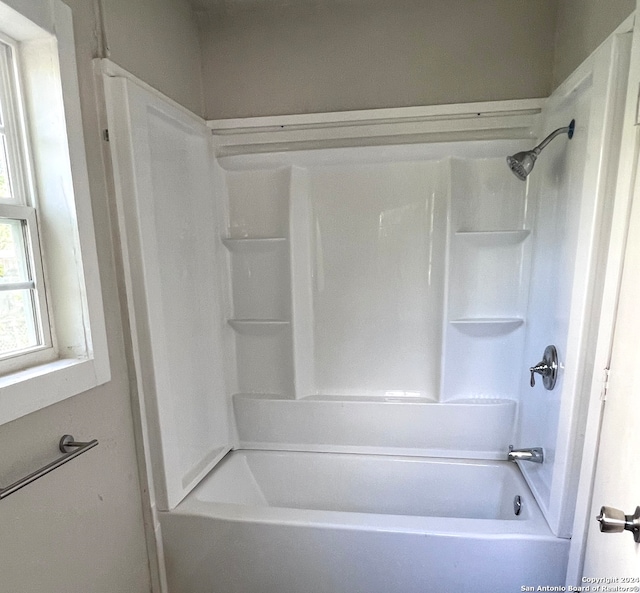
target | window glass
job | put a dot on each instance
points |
(13, 254)
(18, 312)
(22, 305)
(18, 330)
(5, 183)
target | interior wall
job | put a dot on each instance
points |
(334, 56)
(157, 41)
(582, 25)
(80, 528)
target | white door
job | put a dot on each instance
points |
(617, 479)
(167, 223)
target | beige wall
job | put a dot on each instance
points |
(80, 528)
(582, 25)
(157, 40)
(335, 55)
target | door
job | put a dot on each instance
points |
(167, 224)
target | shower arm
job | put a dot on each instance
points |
(566, 130)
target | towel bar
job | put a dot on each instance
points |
(68, 446)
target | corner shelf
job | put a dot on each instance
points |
(239, 323)
(493, 238)
(246, 245)
(513, 322)
(487, 326)
(258, 326)
(260, 278)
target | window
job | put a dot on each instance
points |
(25, 334)
(52, 331)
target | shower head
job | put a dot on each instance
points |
(522, 163)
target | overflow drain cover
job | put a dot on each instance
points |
(517, 504)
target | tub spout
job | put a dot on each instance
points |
(534, 454)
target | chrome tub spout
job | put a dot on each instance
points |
(534, 454)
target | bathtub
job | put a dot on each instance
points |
(301, 522)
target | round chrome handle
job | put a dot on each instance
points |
(615, 521)
(611, 520)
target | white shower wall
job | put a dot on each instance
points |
(385, 261)
(575, 187)
(372, 291)
(378, 234)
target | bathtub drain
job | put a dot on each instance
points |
(517, 504)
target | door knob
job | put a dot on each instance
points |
(615, 521)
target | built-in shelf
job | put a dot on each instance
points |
(260, 322)
(415, 426)
(257, 326)
(492, 238)
(481, 401)
(368, 399)
(253, 244)
(516, 321)
(486, 326)
(260, 278)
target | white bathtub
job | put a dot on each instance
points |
(298, 522)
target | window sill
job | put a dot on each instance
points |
(37, 387)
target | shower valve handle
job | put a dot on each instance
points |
(547, 368)
(541, 368)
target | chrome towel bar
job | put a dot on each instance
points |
(71, 450)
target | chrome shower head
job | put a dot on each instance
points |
(522, 163)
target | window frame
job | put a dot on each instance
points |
(21, 205)
(56, 184)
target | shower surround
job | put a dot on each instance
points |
(371, 290)
(358, 295)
